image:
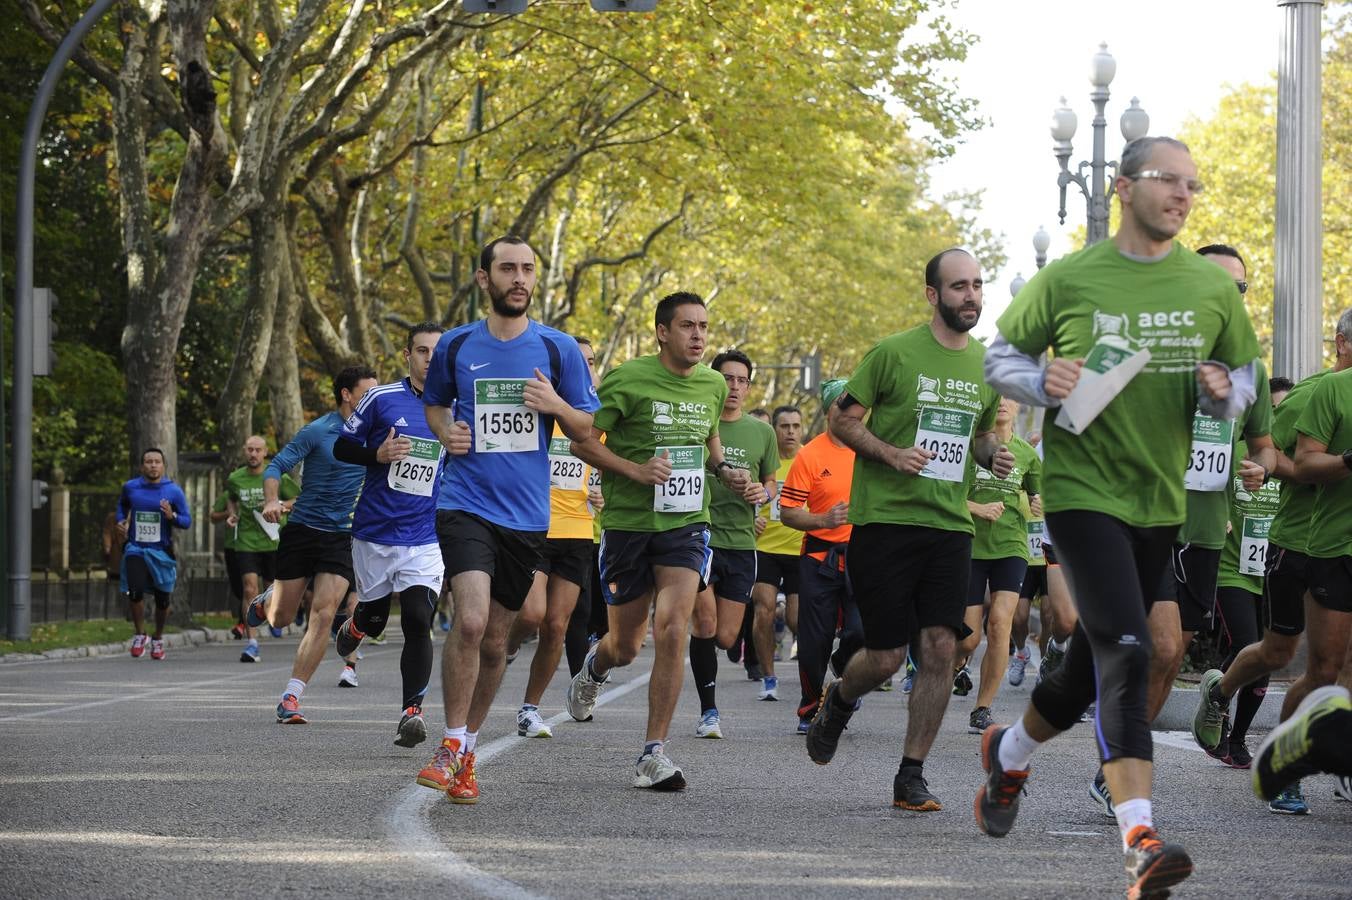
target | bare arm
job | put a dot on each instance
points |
(1315, 465)
(851, 430)
(798, 518)
(597, 455)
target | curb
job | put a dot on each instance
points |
(1182, 704)
(189, 637)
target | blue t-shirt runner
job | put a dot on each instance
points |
(331, 487)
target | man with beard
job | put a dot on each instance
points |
(495, 388)
(910, 551)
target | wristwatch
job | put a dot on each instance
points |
(1347, 458)
(723, 463)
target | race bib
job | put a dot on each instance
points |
(774, 504)
(147, 527)
(1253, 544)
(416, 473)
(1037, 530)
(566, 471)
(684, 490)
(948, 434)
(1209, 458)
(502, 422)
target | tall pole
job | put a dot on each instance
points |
(1298, 302)
(1096, 228)
(21, 490)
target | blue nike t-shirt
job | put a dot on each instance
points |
(398, 501)
(330, 489)
(505, 477)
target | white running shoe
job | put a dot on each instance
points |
(769, 688)
(349, 677)
(1343, 789)
(709, 726)
(583, 691)
(529, 724)
(655, 772)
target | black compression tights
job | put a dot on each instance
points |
(1242, 614)
(416, 608)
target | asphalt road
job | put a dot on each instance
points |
(127, 777)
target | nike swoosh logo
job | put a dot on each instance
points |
(474, 368)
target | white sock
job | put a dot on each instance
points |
(1058, 646)
(1016, 748)
(294, 686)
(1131, 813)
(456, 734)
(471, 740)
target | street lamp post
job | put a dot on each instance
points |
(1041, 242)
(1096, 188)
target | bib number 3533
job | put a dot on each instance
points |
(947, 433)
(684, 490)
(147, 528)
(502, 423)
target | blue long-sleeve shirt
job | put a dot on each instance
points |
(329, 488)
(139, 506)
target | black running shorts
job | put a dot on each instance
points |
(1005, 574)
(303, 552)
(732, 574)
(568, 558)
(470, 543)
(908, 577)
(1331, 583)
(627, 559)
(1288, 578)
(778, 569)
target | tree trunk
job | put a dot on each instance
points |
(283, 368)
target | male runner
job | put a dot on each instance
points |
(1034, 587)
(255, 538)
(749, 445)
(394, 538)
(1146, 333)
(147, 508)
(659, 415)
(315, 545)
(776, 555)
(510, 379)
(815, 498)
(910, 552)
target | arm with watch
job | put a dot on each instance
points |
(733, 478)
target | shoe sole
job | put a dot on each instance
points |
(710, 735)
(297, 719)
(411, 733)
(463, 801)
(246, 658)
(927, 806)
(430, 783)
(1315, 697)
(543, 733)
(770, 697)
(1166, 872)
(346, 684)
(669, 784)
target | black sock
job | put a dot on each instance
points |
(370, 617)
(1246, 707)
(704, 666)
(908, 763)
(415, 663)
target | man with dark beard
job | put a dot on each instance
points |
(494, 390)
(910, 551)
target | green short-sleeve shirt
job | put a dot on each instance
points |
(1007, 536)
(1291, 528)
(748, 444)
(1244, 553)
(1185, 310)
(920, 392)
(247, 492)
(646, 407)
(220, 506)
(1328, 419)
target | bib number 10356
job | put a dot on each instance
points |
(947, 433)
(684, 490)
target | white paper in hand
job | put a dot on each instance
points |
(1106, 372)
(271, 529)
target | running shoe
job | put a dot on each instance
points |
(1098, 790)
(886, 686)
(735, 652)
(256, 614)
(754, 672)
(377, 639)
(997, 801)
(440, 772)
(250, 652)
(823, 734)
(1239, 756)
(1284, 755)
(1290, 801)
(911, 791)
(349, 638)
(465, 788)
(412, 728)
(962, 682)
(656, 772)
(1050, 660)
(138, 645)
(529, 724)
(443, 621)
(156, 648)
(1343, 789)
(511, 657)
(709, 725)
(349, 677)
(1208, 723)
(909, 681)
(300, 616)
(803, 725)
(1088, 714)
(1152, 865)
(980, 720)
(1018, 667)
(769, 688)
(274, 631)
(583, 690)
(237, 632)
(288, 711)
(793, 649)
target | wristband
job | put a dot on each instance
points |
(1347, 458)
(720, 465)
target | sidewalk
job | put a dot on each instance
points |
(188, 637)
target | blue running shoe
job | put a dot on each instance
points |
(909, 681)
(803, 725)
(769, 688)
(250, 652)
(288, 711)
(709, 725)
(274, 631)
(1290, 802)
(1098, 789)
(256, 615)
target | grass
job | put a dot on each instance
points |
(56, 635)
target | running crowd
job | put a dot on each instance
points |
(1176, 490)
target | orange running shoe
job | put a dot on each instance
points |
(440, 773)
(1152, 865)
(465, 789)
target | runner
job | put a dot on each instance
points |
(1287, 599)
(1144, 332)
(564, 572)
(815, 498)
(749, 446)
(659, 415)
(148, 507)
(315, 545)
(255, 538)
(910, 551)
(494, 392)
(777, 548)
(1317, 737)
(220, 512)
(1034, 588)
(999, 561)
(394, 540)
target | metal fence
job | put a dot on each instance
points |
(90, 594)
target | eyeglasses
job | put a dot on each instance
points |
(737, 380)
(1170, 180)
(1243, 286)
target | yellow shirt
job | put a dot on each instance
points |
(570, 515)
(778, 537)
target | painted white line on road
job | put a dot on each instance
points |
(1179, 739)
(408, 828)
(154, 692)
(1076, 833)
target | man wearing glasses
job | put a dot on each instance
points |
(1144, 333)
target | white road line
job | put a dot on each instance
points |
(409, 831)
(154, 692)
(1076, 833)
(1180, 739)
